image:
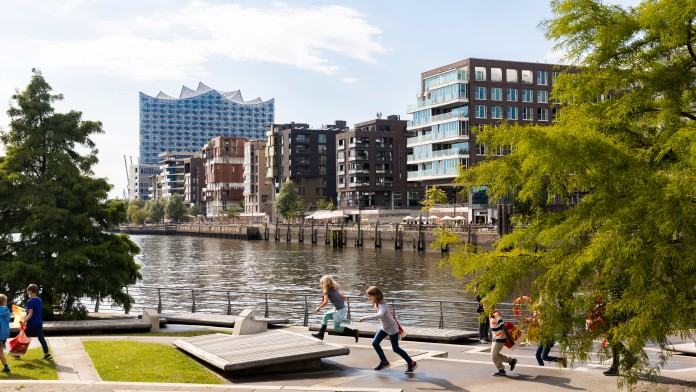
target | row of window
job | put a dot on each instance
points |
(513, 75)
(512, 113)
(511, 94)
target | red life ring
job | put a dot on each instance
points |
(517, 305)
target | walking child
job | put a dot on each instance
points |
(34, 320)
(500, 336)
(389, 328)
(331, 294)
(4, 330)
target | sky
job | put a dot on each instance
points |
(320, 60)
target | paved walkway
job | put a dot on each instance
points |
(442, 367)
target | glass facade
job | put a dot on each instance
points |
(187, 123)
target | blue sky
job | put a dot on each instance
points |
(321, 60)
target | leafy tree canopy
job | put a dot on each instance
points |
(50, 199)
(288, 202)
(625, 140)
(195, 210)
(323, 204)
(175, 208)
(155, 209)
(433, 196)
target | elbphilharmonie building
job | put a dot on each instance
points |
(187, 123)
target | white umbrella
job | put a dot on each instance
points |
(446, 217)
(408, 217)
(458, 217)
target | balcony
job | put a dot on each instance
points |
(438, 118)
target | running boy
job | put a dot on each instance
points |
(500, 336)
(34, 320)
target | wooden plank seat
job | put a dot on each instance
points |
(412, 333)
(215, 320)
(260, 352)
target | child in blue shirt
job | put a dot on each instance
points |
(4, 330)
(34, 320)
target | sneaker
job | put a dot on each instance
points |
(6, 369)
(610, 372)
(513, 362)
(411, 367)
(500, 372)
(47, 356)
(483, 341)
(382, 365)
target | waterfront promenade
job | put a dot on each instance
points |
(442, 367)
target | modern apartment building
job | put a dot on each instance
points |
(224, 174)
(170, 178)
(194, 180)
(306, 156)
(139, 177)
(258, 190)
(457, 98)
(188, 122)
(371, 162)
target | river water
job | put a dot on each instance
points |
(213, 266)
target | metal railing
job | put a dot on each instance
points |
(298, 307)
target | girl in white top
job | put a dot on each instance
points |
(389, 328)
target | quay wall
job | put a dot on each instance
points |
(385, 237)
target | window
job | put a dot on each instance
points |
(511, 113)
(528, 114)
(496, 94)
(496, 75)
(554, 76)
(480, 111)
(480, 93)
(480, 149)
(511, 75)
(480, 73)
(497, 112)
(542, 78)
(511, 95)
(543, 114)
(527, 76)
(542, 96)
(322, 138)
(527, 95)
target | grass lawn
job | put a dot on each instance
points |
(146, 362)
(30, 367)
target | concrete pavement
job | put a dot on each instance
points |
(442, 367)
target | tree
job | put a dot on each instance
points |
(136, 214)
(155, 209)
(624, 140)
(232, 213)
(195, 210)
(323, 204)
(288, 201)
(48, 195)
(433, 196)
(175, 208)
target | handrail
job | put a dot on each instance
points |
(294, 306)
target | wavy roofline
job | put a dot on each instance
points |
(188, 93)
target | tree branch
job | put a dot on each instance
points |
(688, 41)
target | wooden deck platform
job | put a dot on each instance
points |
(215, 320)
(261, 352)
(412, 333)
(93, 326)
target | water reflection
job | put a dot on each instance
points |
(197, 262)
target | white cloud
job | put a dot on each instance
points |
(178, 44)
(349, 80)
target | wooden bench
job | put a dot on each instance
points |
(261, 352)
(215, 320)
(412, 333)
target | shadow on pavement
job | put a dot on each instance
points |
(561, 382)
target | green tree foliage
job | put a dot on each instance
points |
(136, 214)
(195, 210)
(288, 203)
(433, 196)
(49, 197)
(175, 208)
(155, 209)
(626, 140)
(323, 204)
(232, 213)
